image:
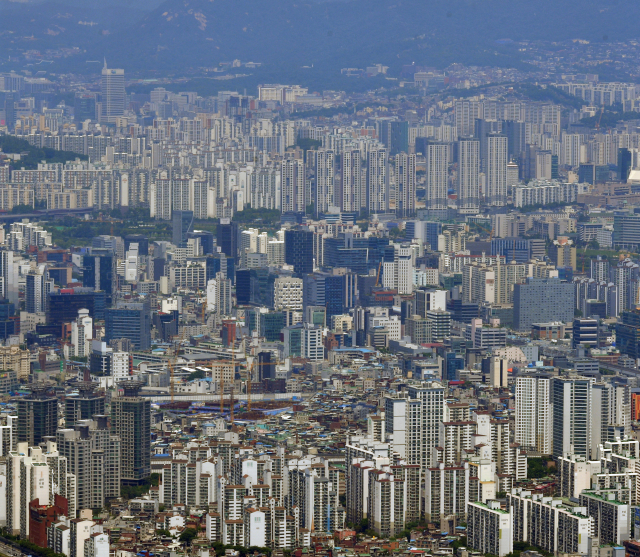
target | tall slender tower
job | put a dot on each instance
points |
(377, 181)
(293, 186)
(437, 157)
(353, 196)
(113, 94)
(325, 170)
(497, 170)
(468, 179)
(405, 185)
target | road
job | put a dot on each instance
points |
(10, 551)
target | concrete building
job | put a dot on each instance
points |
(533, 416)
(489, 528)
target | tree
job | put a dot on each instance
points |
(188, 535)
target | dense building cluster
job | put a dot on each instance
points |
(410, 329)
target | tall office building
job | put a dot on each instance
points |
(437, 163)
(37, 292)
(131, 320)
(571, 418)
(533, 413)
(131, 422)
(83, 406)
(227, 238)
(352, 191)
(624, 163)
(468, 176)
(37, 415)
(113, 94)
(298, 250)
(99, 271)
(293, 184)
(182, 222)
(496, 193)
(541, 301)
(405, 185)
(377, 181)
(324, 166)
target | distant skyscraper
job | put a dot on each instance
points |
(496, 193)
(298, 250)
(182, 224)
(377, 181)
(437, 157)
(113, 94)
(131, 421)
(405, 185)
(468, 179)
(353, 196)
(325, 187)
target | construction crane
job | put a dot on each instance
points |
(599, 118)
(378, 275)
(490, 232)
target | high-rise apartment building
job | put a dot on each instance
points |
(533, 413)
(468, 176)
(377, 181)
(571, 418)
(437, 163)
(324, 167)
(405, 184)
(496, 188)
(83, 406)
(93, 457)
(293, 184)
(113, 94)
(352, 191)
(37, 416)
(131, 422)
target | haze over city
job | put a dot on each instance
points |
(331, 278)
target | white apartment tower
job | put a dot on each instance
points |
(533, 413)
